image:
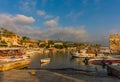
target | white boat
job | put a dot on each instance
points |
(82, 54)
(45, 60)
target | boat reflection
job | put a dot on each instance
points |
(44, 61)
(76, 61)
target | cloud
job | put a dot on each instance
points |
(74, 15)
(75, 34)
(48, 16)
(52, 23)
(22, 27)
(22, 19)
(27, 5)
(19, 23)
(41, 13)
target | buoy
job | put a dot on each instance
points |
(33, 73)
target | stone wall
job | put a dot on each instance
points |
(114, 42)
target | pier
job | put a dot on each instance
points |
(39, 76)
(13, 65)
(114, 70)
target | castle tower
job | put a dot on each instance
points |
(114, 42)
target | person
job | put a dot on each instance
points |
(110, 62)
(103, 63)
(86, 61)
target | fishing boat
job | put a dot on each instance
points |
(98, 61)
(14, 58)
(82, 54)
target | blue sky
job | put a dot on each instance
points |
(67, 20)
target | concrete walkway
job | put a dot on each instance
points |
(40, 76)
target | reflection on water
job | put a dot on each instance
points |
(77, 61)
(35, 61)
(58, 60)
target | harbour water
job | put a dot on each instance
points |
(63, 65)
(58, 60)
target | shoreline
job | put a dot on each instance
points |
(87, 76)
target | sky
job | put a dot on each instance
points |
(66, 20)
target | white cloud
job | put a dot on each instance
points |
(41, 13)
(19, 23)
(24, 28)
(76, 34)
(22, 19)
(74, 15)
(27, 5)
(48, 16)
(52, 23)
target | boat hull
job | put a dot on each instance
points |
(81, 55)
(106, 61)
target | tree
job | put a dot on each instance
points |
(3, 43)
(24, 39)
(42, 45)
(59, 46)
(6, 33)
(50, 42)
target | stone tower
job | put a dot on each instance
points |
(114, 42)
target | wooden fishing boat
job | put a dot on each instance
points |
(98, 61)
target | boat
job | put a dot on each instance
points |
(98, 61)
(12, 54)
(44, 61)
(14, 58)
(81, 54)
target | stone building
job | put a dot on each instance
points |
(114, 42)
(30, 43)
(12, 40)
